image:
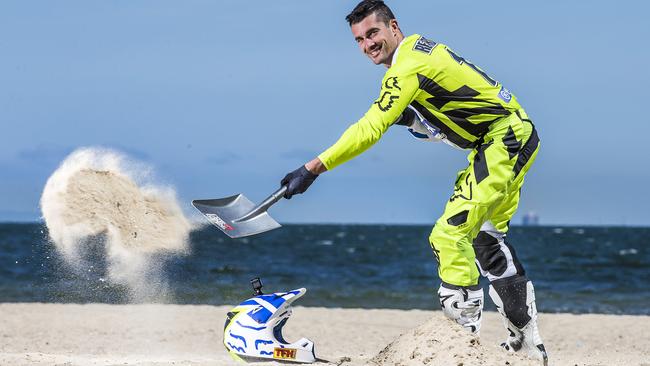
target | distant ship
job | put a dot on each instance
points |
(530, 219)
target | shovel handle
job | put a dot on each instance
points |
(268, 202)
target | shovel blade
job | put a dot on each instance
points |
(225, 212)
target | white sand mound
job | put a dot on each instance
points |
(98, 194)
(440, 341)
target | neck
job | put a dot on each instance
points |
(400, 38)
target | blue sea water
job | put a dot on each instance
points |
(574, 269)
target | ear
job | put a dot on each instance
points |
(394, 27)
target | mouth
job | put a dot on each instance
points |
(373, 53)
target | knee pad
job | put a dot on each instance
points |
(464, 305)
(495, 258)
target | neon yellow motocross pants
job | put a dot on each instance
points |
(486, 191)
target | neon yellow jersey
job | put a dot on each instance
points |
(450, 92)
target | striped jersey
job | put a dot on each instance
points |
(451, 93)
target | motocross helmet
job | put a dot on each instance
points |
(253, 329)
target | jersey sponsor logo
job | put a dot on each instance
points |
(284, 353)
(424, 45)
(219, 222)
(505, 95)
(386, 100)
(391, 83)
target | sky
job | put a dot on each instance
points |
(225, 97)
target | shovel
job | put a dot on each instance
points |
(237, 216)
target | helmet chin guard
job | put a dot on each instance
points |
(253, 329)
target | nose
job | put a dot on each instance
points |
(368, 45)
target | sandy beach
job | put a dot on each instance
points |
(99, 334)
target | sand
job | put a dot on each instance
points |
(100, 334)
(97, 191)
(99, 197)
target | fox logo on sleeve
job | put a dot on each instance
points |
(388, 94)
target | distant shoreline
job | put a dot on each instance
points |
(613, 226)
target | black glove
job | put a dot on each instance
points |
(298, 181)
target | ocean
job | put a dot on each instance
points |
(574, 269)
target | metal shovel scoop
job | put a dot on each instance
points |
(237, 216)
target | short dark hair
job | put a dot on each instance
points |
(367, 7)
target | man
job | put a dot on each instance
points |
(440, 96)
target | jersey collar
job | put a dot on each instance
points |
(392, 62)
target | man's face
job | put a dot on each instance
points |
(376, 39)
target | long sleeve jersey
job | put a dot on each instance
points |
(450, 92)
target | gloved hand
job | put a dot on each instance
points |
(298, 181)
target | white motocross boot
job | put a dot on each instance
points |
(464, 305)
(514, 298)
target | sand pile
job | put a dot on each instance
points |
(100, 195)
(440, 341)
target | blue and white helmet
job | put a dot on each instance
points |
(254, 329)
